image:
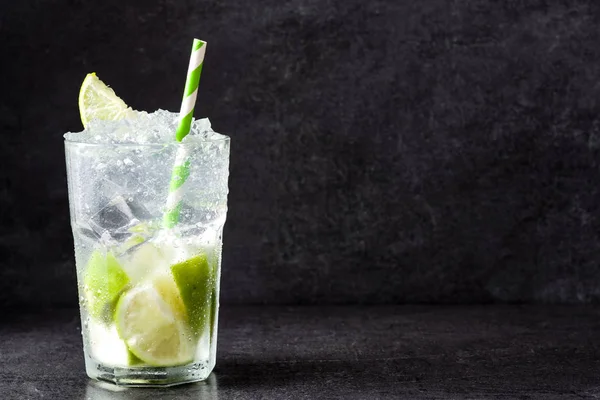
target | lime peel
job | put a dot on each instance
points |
(194, 279)
(103, 283)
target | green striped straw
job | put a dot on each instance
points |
(181, 170)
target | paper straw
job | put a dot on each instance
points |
(191, 89)
(181, 170)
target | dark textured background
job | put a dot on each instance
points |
(382, 151)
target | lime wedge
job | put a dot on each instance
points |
(98, 101)
(104, 281)
(152, 330)
(195, 281)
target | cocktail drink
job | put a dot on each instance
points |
(147, 213)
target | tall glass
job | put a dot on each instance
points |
(148, 295)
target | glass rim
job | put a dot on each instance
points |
(197, 141)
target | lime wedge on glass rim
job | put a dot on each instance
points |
(98, 101)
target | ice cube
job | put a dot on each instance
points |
(85, 231)
(144, 259)
(106, 345)
(120, 219)
(200, 127)
(126, 185)
(202, 215)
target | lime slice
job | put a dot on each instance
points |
(104, 281)
(98, 101)
(195, 281)
(152, 330)
(168, 291)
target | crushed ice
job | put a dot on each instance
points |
(147, 128)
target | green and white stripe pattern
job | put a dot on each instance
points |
(191, 89)
(181, 170)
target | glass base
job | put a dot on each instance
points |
(148, 376)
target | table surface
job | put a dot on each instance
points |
(367, 352)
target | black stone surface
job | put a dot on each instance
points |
(383, 151)
(377, 352)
